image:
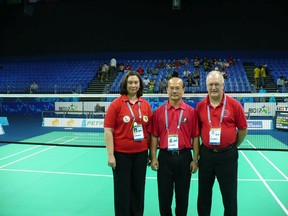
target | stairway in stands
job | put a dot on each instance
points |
(98, 87)
(270, 86)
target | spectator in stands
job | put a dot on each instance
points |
(206, 64)
(162, 85)
(169, 65)
(140, 70)
(33, 88)
(231, 61)
(113, 66)
(256, 76)
(104, 72)
(226, 64)
(184, 61)
(221, 64)
(127, 141)
(97, 108)
(285, 84)
(175, 73)
(146, 82)
(127, 68)
(149, 70)
(263, 91)
(272, 99)
(177, 63)
(168, 75)
(121, 67)
(99, 71)
(161, 64)
(224, 74)
(263, 74)
(186, 74)
(155, 71)
(196, 76)
(196, 61)
(191, 81)
(254, 90)
(151, 85)
(280, 83)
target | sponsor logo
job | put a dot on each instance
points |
(255, 124)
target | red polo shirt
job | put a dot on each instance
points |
(119, 117)
(234, 117)
(188, 126)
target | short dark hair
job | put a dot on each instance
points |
(123, 84)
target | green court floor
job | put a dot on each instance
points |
(74, 181)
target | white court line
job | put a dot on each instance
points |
(110, 176)
(12, 155)
(28, 156)
(272, 164)
(26, 150)
(266, 185)
(57, 173)
(13, 162)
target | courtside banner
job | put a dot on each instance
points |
(81, 106)
(73, 122)
(260, 124)
(282, 106)
(95, 106)
(260, 109)
(68, 106)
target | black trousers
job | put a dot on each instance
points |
(174, 174)
(129, 183)
(224, 166)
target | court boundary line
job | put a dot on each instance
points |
(265, 184)
(110, 175)
(269, 161)
(28, 156)
(23, 151)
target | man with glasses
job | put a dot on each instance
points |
(174, 128)
(223, 127)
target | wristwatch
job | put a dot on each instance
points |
(196, 161)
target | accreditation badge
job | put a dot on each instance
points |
(173, 142)
(138, 133)
(215, 134)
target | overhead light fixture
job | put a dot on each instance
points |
(176, 5)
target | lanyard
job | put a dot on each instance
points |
(222, 113)
(131, 111)
(166, 119)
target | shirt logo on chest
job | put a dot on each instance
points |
(145, 118)
(226, 113)
(126, 119)
(184, 120)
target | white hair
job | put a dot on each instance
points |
(215, 73)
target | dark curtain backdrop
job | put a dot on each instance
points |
(142, 25)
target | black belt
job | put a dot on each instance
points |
(218, 150)
(175, 152)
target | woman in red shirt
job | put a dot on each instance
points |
(127, 142)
